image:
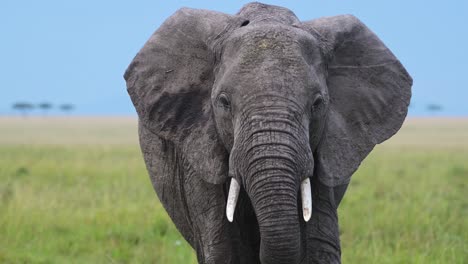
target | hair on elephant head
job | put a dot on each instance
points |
(264, 118)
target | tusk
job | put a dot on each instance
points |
(232, 199)
(306, 195)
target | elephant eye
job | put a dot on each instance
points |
(318, 101)
(223, 101)
(245, 23)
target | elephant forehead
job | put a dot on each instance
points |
(276, 59)
(262, 37)
(271, 52)
(257, 44)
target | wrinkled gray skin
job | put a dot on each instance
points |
(269, 100)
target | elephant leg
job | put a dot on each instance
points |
(322, 238)
(206, 205)
(195, 206)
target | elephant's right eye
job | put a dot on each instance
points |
(317, 103)
(223, 101)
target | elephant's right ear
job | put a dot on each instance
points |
(170, 82)
(369, 92)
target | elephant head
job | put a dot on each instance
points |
(268, 104)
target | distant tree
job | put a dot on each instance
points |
(45, 106)
(23, 107)
(67, 108)
(434, 108)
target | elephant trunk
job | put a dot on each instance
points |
(274, 199)
(273, 160)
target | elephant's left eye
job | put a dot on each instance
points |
(223, 101)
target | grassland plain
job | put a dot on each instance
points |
(75, 190)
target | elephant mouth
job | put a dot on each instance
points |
(234, 190)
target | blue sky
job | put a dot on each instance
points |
(76, 51)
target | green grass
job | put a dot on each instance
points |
(76, 191)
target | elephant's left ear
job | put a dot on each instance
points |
(170, 82)
(369, 93)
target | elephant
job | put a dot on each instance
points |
(251, 125)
